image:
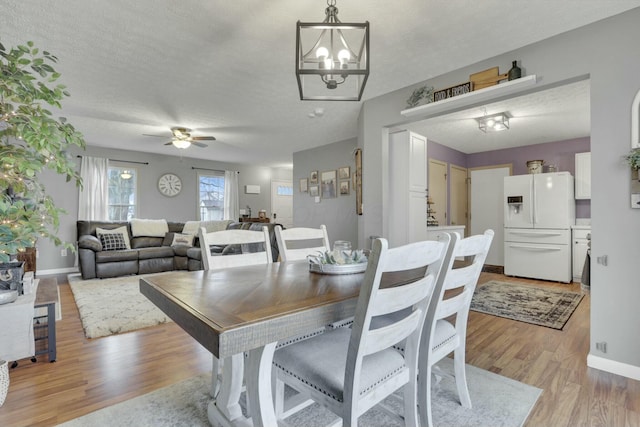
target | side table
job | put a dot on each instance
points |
(45, 326)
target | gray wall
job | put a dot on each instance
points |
(151, 204)
(339, 214)
(603, 52)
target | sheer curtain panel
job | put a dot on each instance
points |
(93, 202)
(231, 202)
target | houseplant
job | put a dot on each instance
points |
(633, 158)
(31, 139)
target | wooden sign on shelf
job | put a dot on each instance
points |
(486, 78)
(452, 91)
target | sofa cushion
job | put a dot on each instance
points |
(180, 239)
(112, 242)
(116, 256)
(182, 250)
(122, 230)
(156, 252)
(146, 242)
(149, 227)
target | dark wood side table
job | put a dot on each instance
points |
(265, 220)
(45, 326)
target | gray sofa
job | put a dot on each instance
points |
(148, 254)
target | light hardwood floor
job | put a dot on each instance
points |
(93, 374)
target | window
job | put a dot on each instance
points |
(211, 196)
(122, 193)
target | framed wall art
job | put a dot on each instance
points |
(344, 172)
(304, 185)
(345, 187)
(313, 178)
(313, 191)
(329, 184)
(357, 180)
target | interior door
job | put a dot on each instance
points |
(486, 193)
(438, 189)
(282, 203)
(459, 197)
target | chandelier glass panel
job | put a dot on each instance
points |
(332, 58)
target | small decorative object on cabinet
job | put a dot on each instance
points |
(431, 219)
(515, 72)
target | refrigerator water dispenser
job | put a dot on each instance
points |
(515, 204)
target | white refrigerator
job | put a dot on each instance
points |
(539, 213)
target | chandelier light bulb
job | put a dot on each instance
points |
(344, 57)
(490, 123)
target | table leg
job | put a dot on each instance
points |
(225, 410)
(259, 385)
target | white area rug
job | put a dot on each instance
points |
(497, 401)
(113, 306)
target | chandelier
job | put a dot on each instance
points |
(332, 58)
(493, 122)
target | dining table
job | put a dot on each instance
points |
(239, 314)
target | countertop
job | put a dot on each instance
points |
(444, 227)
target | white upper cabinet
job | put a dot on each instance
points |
(417, 162)
(583, 176)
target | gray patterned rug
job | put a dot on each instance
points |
(113, 306)
(532, 304)
(497, 401)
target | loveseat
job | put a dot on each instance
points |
(150, 246)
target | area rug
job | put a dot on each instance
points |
(113, 306)
(532, 304)
(496, 400)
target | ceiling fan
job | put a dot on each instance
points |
(182, 138)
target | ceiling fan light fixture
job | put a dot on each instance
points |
(332, 58)
(126, 174)
(181, 143)
(493, 122)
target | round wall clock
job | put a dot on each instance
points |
(169, 185)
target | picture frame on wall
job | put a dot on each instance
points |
(329, 184)
(313, 177)
(344, 172)
(345, 187)
(313, 191)
(304, 185)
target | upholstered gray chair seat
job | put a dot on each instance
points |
(302, 361)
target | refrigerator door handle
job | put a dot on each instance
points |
(532, 211)
(529, 234)
(535, 248)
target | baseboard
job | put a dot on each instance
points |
(57, 271)
(613, 367)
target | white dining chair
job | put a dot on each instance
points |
(244, 247)
(350, 370)
(448, 333)
(287, 239)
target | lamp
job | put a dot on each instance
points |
(332, 58)
(181, 143)
(493, 122)
(126, 174)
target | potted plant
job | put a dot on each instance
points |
(633, 158)
(31, 139)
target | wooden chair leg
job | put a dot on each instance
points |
(461, 376)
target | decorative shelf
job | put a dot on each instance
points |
(481, 95)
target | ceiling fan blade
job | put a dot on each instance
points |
(199, 144)
(203, 138)
(156, 136)
(168, 143)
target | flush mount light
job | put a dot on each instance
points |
(332, 58)
(181, 143)
(126, 174)
(493, 122)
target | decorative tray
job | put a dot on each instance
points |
(338, 268)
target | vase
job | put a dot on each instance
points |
(515, 72)
(4, 380)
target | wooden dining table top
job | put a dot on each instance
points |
(232, 310)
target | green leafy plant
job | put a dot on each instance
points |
(31, 139)
(633, 158)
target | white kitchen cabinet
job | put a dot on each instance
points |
(407, 207)
(435, 233)
(579, 246)
(583, 176)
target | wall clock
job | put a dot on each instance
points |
(169, 185)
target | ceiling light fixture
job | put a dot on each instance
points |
(493, 122)
(126, 174)
(181, 143)
(327, 54)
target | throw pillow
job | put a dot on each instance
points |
(112, 242)
(191, 227)
(149, 227)
(120, 230)
(182, 239)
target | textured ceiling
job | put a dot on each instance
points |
(227, 68)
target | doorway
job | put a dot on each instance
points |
(437, 171)
(282, 202)
(459, 201)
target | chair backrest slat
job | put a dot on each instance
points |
(284, 237)
(242, 238)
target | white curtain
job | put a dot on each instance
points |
(93, 202)
(231, 202)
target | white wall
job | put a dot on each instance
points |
(151, 204)
(604, 51)
(339, 214)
